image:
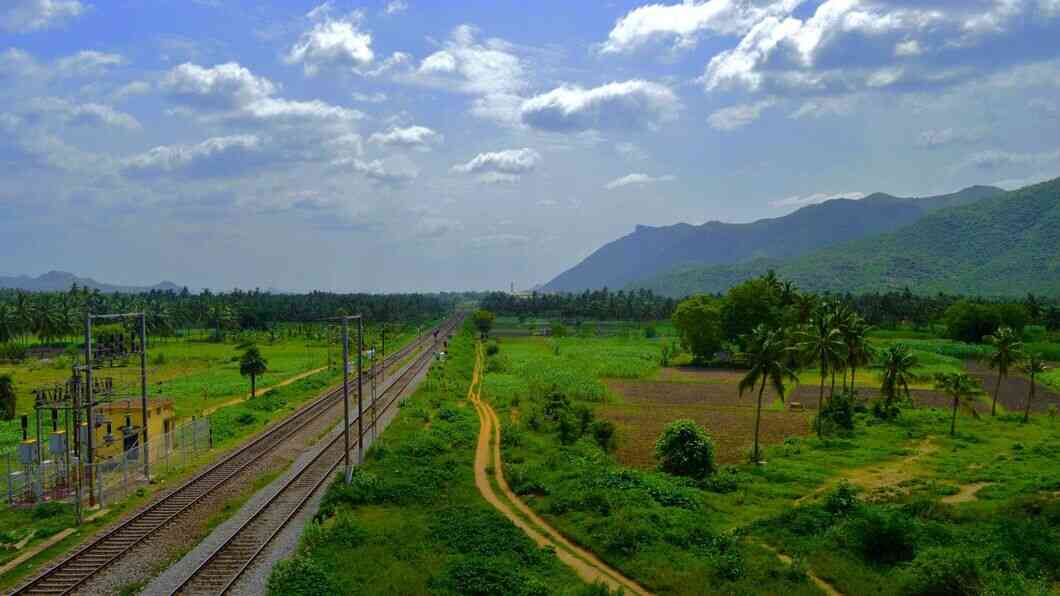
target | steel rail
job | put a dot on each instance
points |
(83, 564)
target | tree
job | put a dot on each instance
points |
(960, 387)
(7, 397)
(1034, 365)
(252, 364)
(685, 449)
(698, 321)
(483, 321)
(752, 303)
(898, 363)
(766, 359)
(1008, 351)
(821, 344)
(859, 352)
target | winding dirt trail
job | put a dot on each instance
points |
(487, 454)
(264, 390)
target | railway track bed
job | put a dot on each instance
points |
(134, 549)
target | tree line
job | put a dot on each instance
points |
(48, 317)
(634, 305)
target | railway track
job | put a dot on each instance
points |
(84, 563)
(220, 571)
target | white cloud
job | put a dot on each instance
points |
(224, 86)
(818, 197)
(90, 114)
(412, 137)
(88, 63)
(636, 179)
(130, 90)
(84, 64)
(734, 117)
(826, 106)
(468, 66)
(630, 104)
(687, 20)
(24, 16)
(271, 108)
(511, 162)
(946, 136)
(396, 7)
(391, 174)
(334, 43)
(910, 47)
(994, 159)
(499, 240)
(217, 156)
(377, 97)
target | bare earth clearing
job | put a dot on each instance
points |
(1014, 389)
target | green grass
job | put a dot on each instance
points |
(682, 537)
(414, 516)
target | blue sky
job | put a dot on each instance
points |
(411, 145)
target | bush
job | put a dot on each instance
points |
(493, 348)
(12, 352)
(478, 575)
(685, 449)
(49, 509)
(838, 412)
(943, 572)
(603, 432)
(881, 536)
(299, 576)
(569, 429)
(842, 500)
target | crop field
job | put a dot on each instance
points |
(949, 500)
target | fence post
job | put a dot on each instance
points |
(125, 474)
(10, 486)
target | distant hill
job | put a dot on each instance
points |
(651, 251)
(61, 281)
(1006, 245)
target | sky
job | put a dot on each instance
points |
(407, 145)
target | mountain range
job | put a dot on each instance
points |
(653, 251)
(61, 281)
(979, 241)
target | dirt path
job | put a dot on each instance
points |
(487, 454)
(824, 586)
(881, 475)
(261, 392)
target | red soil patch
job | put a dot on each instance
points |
(1014, 389)
(649, 406)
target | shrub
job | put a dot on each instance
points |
(347, 532)
(943, 572)
(299, 576)
(882, 536)
(603, 432)
(493, 348)
(838, 412)
(12, 352)
(49, 509)
(246, 419)
(569, 429)
(556, 403)
(842, 500)
(478, 575)
(685, 449)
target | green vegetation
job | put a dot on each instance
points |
(698, 320)
(1000, 246)
(252, 364)
(413, 515)
(685, 449)
(483, 320)
(7, 397)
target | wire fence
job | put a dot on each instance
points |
(31, 479)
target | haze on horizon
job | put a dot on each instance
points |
(404, 145)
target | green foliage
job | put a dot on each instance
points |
(483, 320)
(299, 576)
(486, 576)
(252, 363)
(972, 321)
(12, 352)
(492, 348)
(685, 449)
(698, 320)
(841, 500)
(603, 432)
(883, 536)
(838, 412)
(7, 397)
(750, 304)
(943, 572)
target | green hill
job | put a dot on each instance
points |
(1005, 245)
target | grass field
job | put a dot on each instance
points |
(684, 537)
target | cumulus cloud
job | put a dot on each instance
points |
(225, 86)
(131, 89)
(88, 63)
(377, 170)
(24, 16)
(88, 114)
(817, 197)
(507, 163)
(625, 105)
(738, 116)
(470, 66)
(412, 137)
(636, 179)
(217, 156)
(333, 42)
(395, 7)
(686, 21)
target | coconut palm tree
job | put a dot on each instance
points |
(960, 387)
(898, 363)
(1009, 350)
(766, 358)
(7, 398)
(1034, 365)
(252, 364)
(859, 352)
(820, 343)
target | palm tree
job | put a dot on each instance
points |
(898, 363)
(766, 356)
(1034, 365)
(1009, 349)
(855, 334)
(252, 364)
(959, 386)
(821, 343)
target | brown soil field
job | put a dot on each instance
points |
(648, 406)
(1014, 389)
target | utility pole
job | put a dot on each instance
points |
(88, 404)
(346, 395)
(143, 394)
(360, 391)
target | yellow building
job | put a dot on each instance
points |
(125, 418)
